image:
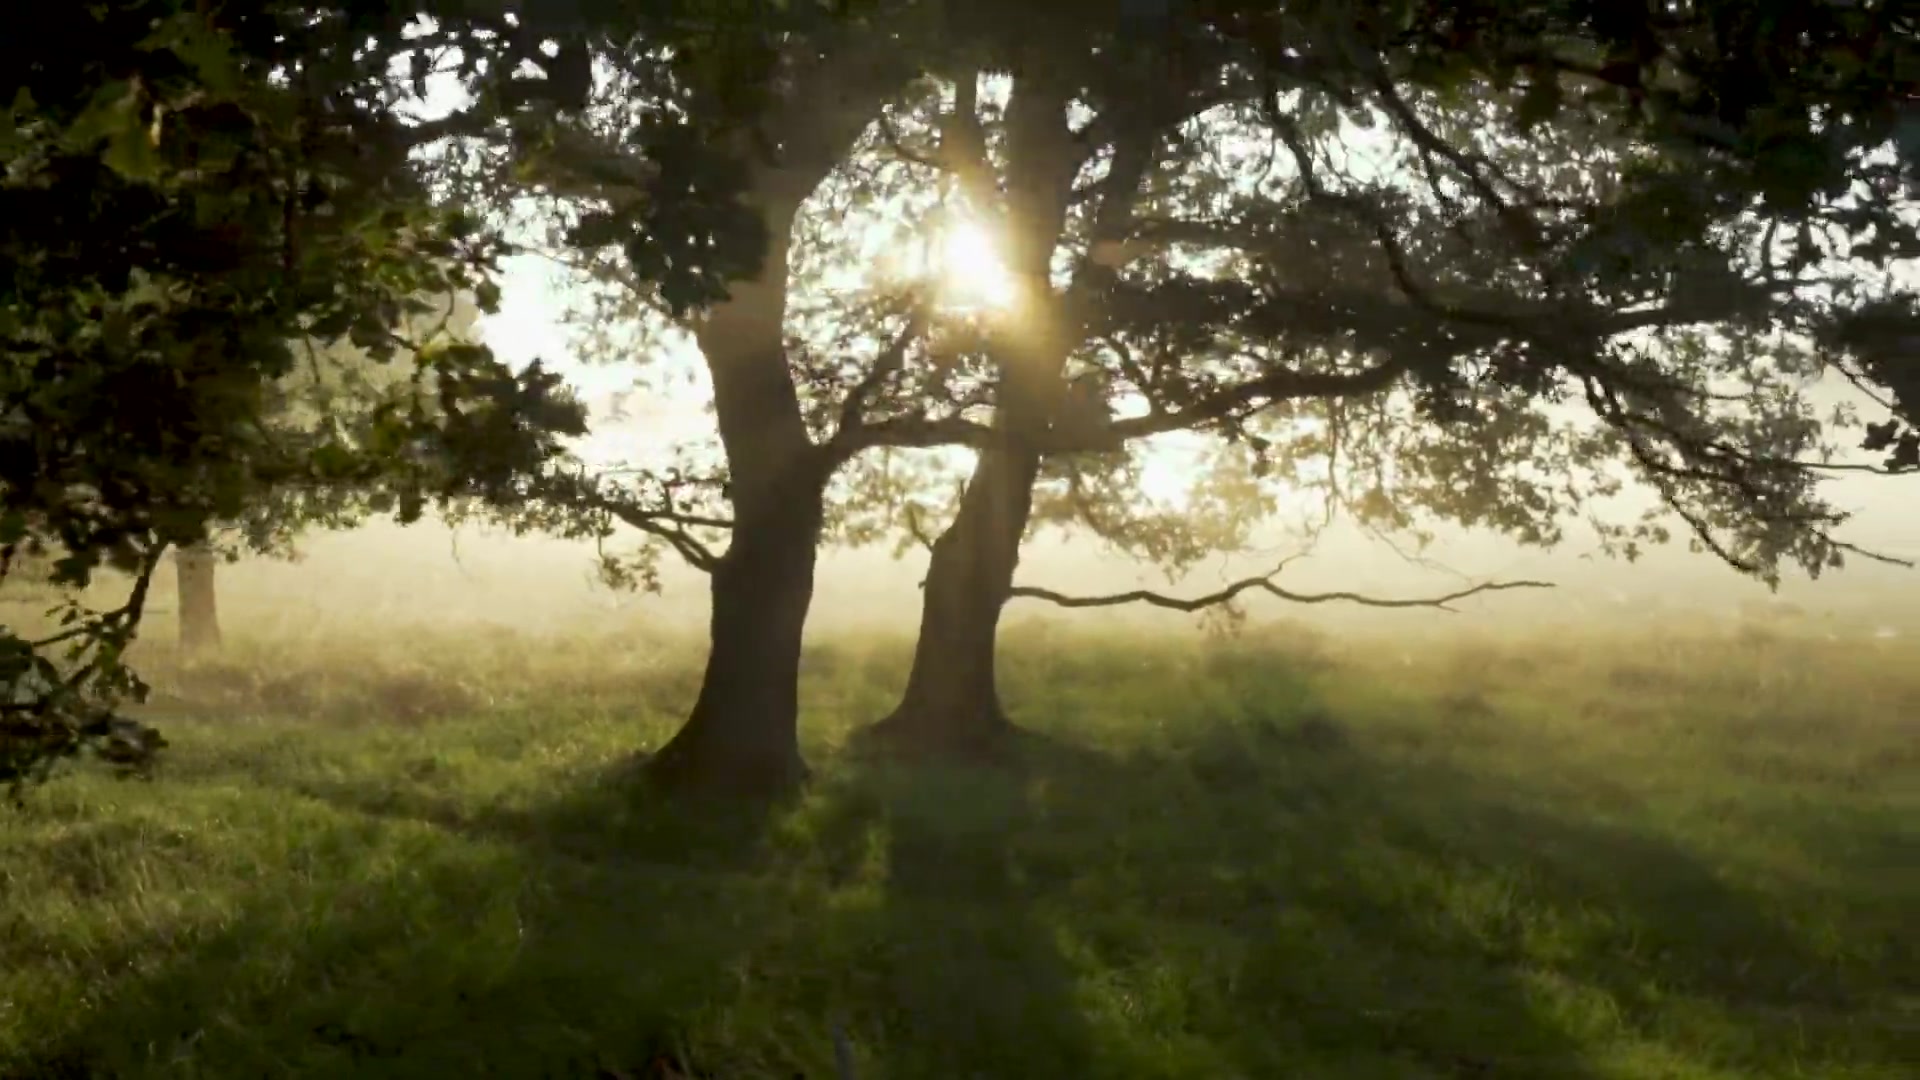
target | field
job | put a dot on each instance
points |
(1282, 856)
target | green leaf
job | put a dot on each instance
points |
(22, 108)
(13, 527)
(202, 48)
(131, 153)
(113, 108)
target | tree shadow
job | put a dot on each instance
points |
(1275, 896)
(527, 948)
(1282, 898)
(900, 932)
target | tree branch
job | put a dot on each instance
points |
(1265, 390)
(1265, 583)
(910, 433)
(1474, 168)
(664, 521)
(671, 528)
(885, 366)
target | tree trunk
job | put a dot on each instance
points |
(742, 737)
(743, 734)
(952, 703)
(199, 612)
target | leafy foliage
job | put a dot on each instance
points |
(192, 198)
(1483, 263)
(1491, 264)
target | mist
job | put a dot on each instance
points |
(474, 576)
(1038, 300)
(483, 576)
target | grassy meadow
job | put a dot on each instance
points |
(1284, 855)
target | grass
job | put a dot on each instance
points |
(1284, 856)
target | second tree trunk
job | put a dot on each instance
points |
(952, 701)
(199, 612)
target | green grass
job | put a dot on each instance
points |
(1282, 857)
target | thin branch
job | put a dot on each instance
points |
(1473, 167)
(891, 136)
(666, 524)
(911, 513)
(696, 553)
(1129, 366)
(1265, 390)
(1860, 382)
(1265, 583)
(117, 619)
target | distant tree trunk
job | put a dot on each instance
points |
(199, 612)
(952, 703)
(743, 734)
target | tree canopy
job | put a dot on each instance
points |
(1487, 285)
(1483, 263)
(191, 197)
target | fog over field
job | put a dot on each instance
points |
(432, 573)
(482, 574)
(1320, 305)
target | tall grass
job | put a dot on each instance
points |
(410, 855)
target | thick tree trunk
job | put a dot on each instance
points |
(951, 706)
(199, 609)
(743, 735)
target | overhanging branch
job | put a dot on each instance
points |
(661, 519)
(1264, 390)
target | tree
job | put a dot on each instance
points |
(338, 384)
(806, 378)
(189, 193)
(751, 151)
(1584, 213)
(1430, 361)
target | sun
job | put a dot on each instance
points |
(955, 255)
(971, 274)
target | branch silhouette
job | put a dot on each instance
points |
(1265, 583)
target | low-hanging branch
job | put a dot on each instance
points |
(671, 528)
(1265, 583)
(657, 517)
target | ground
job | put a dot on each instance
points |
(1283, 856)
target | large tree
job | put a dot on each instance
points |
(834, 343)
(795, 392)
(1506, 259)
(1314, 309)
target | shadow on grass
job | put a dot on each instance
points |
(1267, 898)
